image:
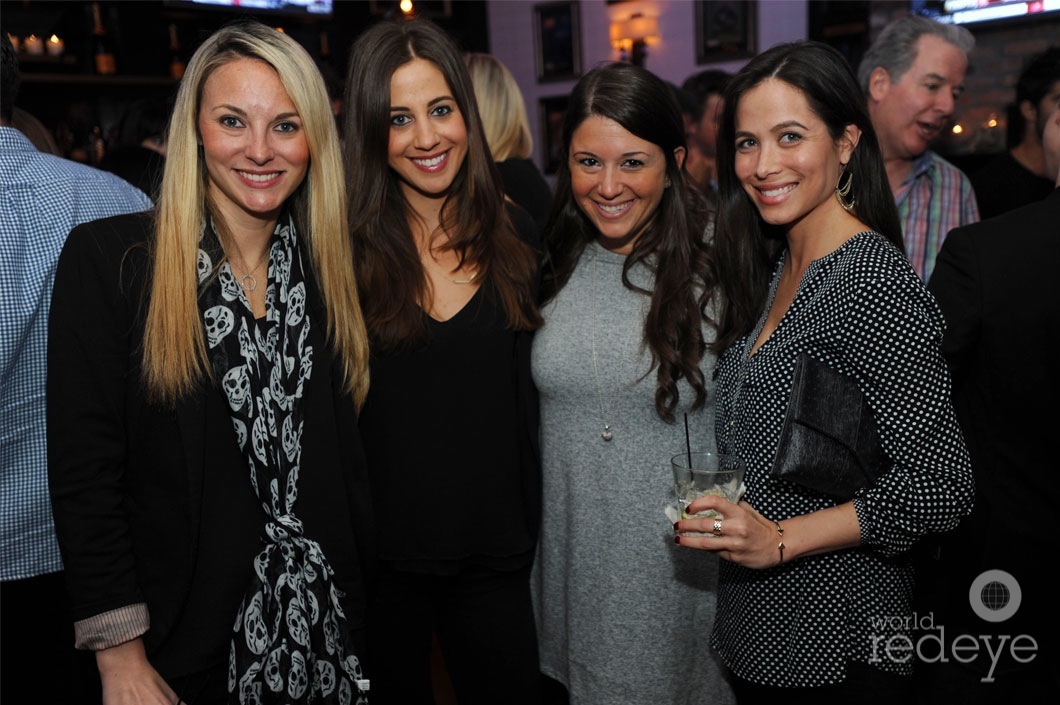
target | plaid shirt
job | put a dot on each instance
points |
(42, 198)
(935, 198)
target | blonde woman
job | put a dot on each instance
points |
(204, 375)
(508, 133)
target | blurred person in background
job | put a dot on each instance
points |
(912, 76)
(507, 129)
(35, 131)
(140, 152)
(994, 283)
(706, 89)
(1019, 176)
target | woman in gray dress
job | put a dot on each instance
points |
(621, 360)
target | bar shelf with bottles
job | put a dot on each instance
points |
(98, 44)
(94, 80)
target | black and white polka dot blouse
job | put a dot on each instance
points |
(863, 310)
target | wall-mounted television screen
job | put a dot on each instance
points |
(318, 8)
(983, 11)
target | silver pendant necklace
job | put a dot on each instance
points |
(606, 434)
(248, 282)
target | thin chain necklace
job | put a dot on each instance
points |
(627, 349)
(464, 281)
(247, 282)
(438, 266)
(606, 434)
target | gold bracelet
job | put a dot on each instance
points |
(780, 546)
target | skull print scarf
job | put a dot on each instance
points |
(291, 642)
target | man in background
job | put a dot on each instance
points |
(41, 198)
(912, 76)
(706, 89)
(995, 284)
(1019, 176)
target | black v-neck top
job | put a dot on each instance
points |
(447, 431)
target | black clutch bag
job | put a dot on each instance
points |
(829, 441)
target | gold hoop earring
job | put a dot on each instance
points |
(842, 191)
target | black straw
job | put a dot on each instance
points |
(688, 446)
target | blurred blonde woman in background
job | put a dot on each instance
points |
(508, 132)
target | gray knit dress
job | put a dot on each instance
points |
(624, 616)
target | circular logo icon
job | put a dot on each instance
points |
(995, 595)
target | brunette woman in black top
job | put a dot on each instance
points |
(448, 283)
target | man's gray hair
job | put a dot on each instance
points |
(895, 49)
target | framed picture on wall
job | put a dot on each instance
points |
(725, 30)
(556, 36)
(553, 110)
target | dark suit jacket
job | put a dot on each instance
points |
(996, 284)
(127, 476)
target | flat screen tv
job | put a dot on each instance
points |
(291, 8)
(971, 12)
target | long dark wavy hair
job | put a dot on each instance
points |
(673, 244)
(389, 271)
(746, 246)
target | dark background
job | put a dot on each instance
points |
(67, 96)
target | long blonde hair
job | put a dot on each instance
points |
(500, 102)
(175, 358)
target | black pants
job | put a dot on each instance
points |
(864, 685)
(40, 664)
(953, 682)
(205, 688)
(485, 627)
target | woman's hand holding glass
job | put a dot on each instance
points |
(751, 540)
(744, 536)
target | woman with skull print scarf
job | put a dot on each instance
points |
(206, 363)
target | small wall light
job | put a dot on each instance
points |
(632, 35)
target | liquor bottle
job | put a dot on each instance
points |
(176, 59)
(332, 80)
(325, 51)
(102, 47)
(97, 146)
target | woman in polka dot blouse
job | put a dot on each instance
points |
(815, 595)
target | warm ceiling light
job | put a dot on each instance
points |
(406, 6)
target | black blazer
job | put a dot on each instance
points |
(127, 475)
(996, 284)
